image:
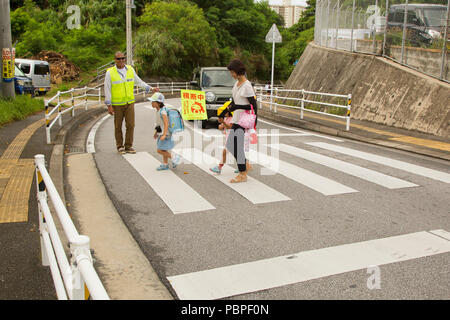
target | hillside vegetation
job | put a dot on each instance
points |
(171, 38)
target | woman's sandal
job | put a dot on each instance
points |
(239, 178)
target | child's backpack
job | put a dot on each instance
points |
(176, 123)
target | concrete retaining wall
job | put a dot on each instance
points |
(383, 91)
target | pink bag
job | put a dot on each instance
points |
(247, 119)
(253, 136)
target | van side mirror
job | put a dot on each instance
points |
(194, 83)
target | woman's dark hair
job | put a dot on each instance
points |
(237, 66)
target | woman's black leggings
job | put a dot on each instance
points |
(235, 145)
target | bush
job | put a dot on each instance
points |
(18, 108)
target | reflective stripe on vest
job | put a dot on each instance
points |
(121, 90)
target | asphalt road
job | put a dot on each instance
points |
(307, 202)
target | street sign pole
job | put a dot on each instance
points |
(7, 51)
(273, 36)
(271, 79)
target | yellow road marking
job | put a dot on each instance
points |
(394, 136)
(424, 142)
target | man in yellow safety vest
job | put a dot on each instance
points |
(119, 97)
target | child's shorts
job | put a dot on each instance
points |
(166, 144)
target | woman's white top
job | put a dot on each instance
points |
(240, 94)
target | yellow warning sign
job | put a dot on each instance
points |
(8, 57)
(193, 105)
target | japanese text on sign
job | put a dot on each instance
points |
(8, 64)
(193, 105)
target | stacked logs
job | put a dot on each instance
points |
(61, 69)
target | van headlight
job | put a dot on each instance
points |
(210, 97)
(434, 33)
(20, 82)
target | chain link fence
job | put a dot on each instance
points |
(413, 33)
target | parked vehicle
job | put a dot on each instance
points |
(217, 84)
(424, 22)
(22, 83)
(38, 71)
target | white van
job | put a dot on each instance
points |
(38, 71)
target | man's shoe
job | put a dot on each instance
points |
(121, 150)
(130, 150)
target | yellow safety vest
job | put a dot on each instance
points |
(121, 90)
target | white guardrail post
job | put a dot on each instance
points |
(59, 109)
(71, 279)
(302, 108)
(73, 102)
(349, 106)
(85, 98)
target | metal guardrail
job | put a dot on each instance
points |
(59, 106)
(70, 278)
(165, 87)
(268, 99)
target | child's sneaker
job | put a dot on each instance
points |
(163, 167)
(216, 169)
(176, 161)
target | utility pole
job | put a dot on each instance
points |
(129, 35)
(7, 63)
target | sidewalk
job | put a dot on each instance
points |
(365, 131)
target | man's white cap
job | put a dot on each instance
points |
(157, 96)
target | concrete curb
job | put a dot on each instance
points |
(344, 134)
(118, 270)
(56, 164)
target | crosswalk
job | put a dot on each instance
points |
(269, 273)
(302, 168)
(264, 274)
(180, 197)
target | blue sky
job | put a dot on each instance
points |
(294, 2)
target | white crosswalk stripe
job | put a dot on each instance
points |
(351, 169)
(176, 193)
(405, 166)
(253, 190)
(305, 177)
(307, 265)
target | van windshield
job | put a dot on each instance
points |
(217, 78)
(434, 17)
(41, 69)
(18, 72)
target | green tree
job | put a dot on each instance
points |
(189, 37)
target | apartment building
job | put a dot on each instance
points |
(291, 13)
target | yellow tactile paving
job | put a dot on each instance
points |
(16, 177)
(16, 147)
(14, 202)
(423, 142)
(394, 136)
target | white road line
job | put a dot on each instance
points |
(348, 168)
(441, 233)
(307, 178)
(253, 190)
(307, 265)
(90, 143)
(405, 166)
(176, 193)
(287, 128)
